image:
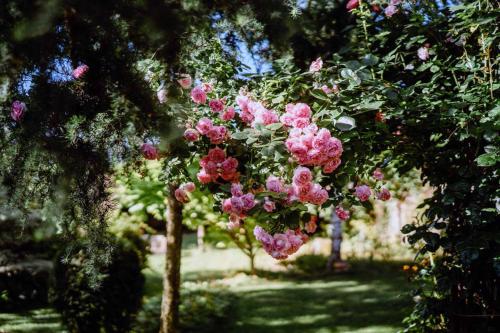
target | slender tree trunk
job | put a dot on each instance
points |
(200, 234)
(335, 227)
(172, 278)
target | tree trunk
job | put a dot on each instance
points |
(335, 228)
(172, 278)
(200, 235)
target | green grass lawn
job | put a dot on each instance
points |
(370, 298)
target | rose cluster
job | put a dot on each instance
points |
(280, 245)
(215, 164)
(253, 113)
(181, 193)
(305, 190)
(216, 134)
(239, 204)
(308, 144)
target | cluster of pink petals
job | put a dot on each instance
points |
(392, 8)
(384, 194)
(423, 53)
(216, 134)
(378, 174)
(216, 105)
(316, 65)
(162, 95)
(239, 204)
(149, 151)
(311, 225)
(198, 95)
(352, 4)
(228, 114)
(17, 110)
(281, 245)
(269, 205)
(191, 135)
(305, 190)
(327, 90)
(80, 71)
(181, 192)
(363, 192)
(310, 146)
(254, 113)
(185, 81)
(342, 213)
(296, 115)
(215, 165)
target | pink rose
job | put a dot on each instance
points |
(331, 165)
(236, 189)
(237, 204)
(302, 110)
(189, 187)
(363, 192)
(80, 71)
(149, 151)
(334, 148)
(217, 134)
(281, 243)
(378, 174)
(318, 195)
(390, 10)
(384, 194)
(17, 110)
(246, 117)
(181, 195)
(242, 102)
(191, 135)
(216, 155)
(229, 165)
(274, 184)
(204, 177)
(326, 90)
(227, 207)
(316, 65)
(216, 105)
(321, 139)
(228, 114)
(198, 95)
(311, 226)
(302, 192)
(301, 122)
(204, 125)
(248, 201)
(423, 53)
(352, 4)
(294, 240)
(302, 176)
(311, 129)
(342, 213)
(269, 205)
(298, 149)
(207, 87)
(185, 81)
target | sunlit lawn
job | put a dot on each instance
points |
(371, 298)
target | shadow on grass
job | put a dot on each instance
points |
(35, 321)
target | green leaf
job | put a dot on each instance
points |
(239, 135)
(487, 159)
(274, 127)
(371, 105)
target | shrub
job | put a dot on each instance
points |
(113, 305)
(311, 263)
(201, 310)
